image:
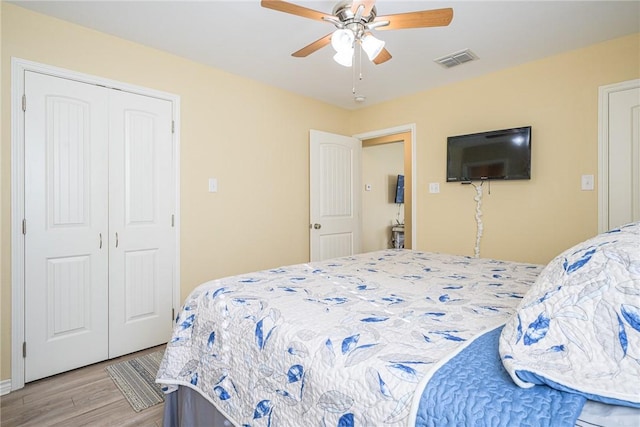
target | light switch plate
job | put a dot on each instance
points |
(434, 187)
(213, 185)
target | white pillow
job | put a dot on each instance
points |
(578, 328)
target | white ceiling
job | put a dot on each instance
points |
(245, 39)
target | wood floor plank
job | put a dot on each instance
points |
(82, 397)
(102, 390)
(53, 386)
(38, 415)
(115, 414)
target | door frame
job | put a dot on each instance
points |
(411, 127)
(603, 147)
(18, 68)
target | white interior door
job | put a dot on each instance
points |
(624, 157)
(142, 238)
(66, 290)
(335, 205)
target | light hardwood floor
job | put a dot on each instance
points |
(82, 397)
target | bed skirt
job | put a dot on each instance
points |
(187, 408)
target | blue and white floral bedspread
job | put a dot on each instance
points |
(337, 343)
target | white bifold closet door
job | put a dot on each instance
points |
(99, 242)
(141, 236)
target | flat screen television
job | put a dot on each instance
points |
(400, 189)
(497, 155)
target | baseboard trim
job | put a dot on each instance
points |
(5, 387)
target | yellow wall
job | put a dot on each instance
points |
(532, 220)
(254, 139)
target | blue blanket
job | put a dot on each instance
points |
(473, 389)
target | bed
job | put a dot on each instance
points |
(403, 338)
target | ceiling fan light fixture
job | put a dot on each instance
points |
(344, 58)
(342, 40)
(371, 46)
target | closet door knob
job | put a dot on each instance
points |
(317, 226)
(116, 239)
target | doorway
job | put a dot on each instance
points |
(403, 136)
(383, 208)
(347, 241)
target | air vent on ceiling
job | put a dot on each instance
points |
(456, 58)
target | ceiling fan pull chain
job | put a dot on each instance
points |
(353, 80)
(360, 61)
(358, 65)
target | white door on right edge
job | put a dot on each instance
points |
(335, 171)
(624, 157)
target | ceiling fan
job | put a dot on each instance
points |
(354, 20)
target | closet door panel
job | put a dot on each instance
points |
(141, 204)
(66, 289)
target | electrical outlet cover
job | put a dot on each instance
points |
(587, 182)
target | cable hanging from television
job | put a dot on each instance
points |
(480, 227)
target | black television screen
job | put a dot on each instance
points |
(499, 154)
(400, 189)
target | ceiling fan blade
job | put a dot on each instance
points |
(420, 19)
(294, 9)
(368, 5)
(312, 47)
(383, 56)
